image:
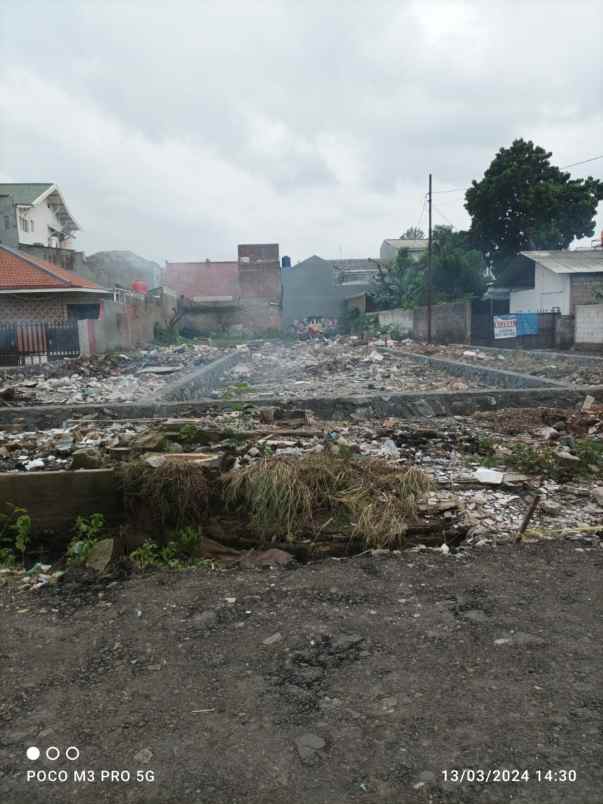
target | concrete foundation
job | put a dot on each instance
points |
(408, 405)
(54, 500)
(485, 374)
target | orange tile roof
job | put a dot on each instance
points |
(19, 271)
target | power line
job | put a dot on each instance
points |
(455, 190)
(439, 211)
(584, 161)
(422, 212)
(563, 167)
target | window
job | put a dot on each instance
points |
(31, 226)
(6, 222)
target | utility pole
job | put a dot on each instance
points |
(429, 283)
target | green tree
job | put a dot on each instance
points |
(413, 233)
(523, 202)
(457, 272)
(397, 284)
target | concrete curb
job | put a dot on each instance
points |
(542, 354)
(492, 376)
(407, 405)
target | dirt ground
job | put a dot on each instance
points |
(356, 680)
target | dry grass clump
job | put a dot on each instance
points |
(323, 494)
(170, 496)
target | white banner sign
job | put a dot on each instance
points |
(505, 327)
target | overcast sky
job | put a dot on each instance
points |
(179, 129)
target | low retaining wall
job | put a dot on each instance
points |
(407, 405)
(546, 356)
(198, 382)
(486, 374)
(54, 500)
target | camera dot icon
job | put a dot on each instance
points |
(33, 753)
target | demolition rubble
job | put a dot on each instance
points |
(111, 377)
(346, 367)
(265, 476)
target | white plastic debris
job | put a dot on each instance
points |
(490, 476)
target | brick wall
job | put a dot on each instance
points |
(33, 307)
(581, 289)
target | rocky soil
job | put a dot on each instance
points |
(357, 680)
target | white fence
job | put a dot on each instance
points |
(589, 323)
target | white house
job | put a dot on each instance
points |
(35, 214)
(549, 280)
(392, 245)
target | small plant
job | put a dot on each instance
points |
(188, 434)
(88, 531)
(236, 391)
(15, 534)
(187, 540)
(589, 451)
(7, 558)
(147, 555)
(90, 527)
(533, 461)
(176, 554)
(23, 534)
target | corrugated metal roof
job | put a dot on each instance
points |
(20, 271)
(412, 245)
(24, 193)
(587, 261)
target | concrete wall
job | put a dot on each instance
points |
(55, 499)
(9, 234)
(564, 332)
(66, 258)
(402, 319)
(589, 325)
(310, 291)
(450, 322)
(550, 290)
(125, 326)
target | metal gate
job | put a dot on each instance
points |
(24, 343)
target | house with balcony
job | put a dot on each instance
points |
(35, 214)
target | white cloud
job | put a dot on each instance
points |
(181, 129)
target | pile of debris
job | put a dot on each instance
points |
(338, 367)
(102, 378)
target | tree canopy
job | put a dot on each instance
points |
(523, 202)
(413, 233)
(458, 271)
